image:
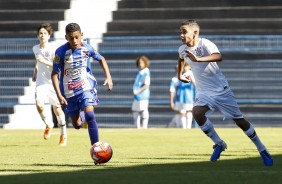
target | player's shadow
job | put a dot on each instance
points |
(247, 170)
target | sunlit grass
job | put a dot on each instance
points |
(141, 156)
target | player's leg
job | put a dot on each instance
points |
(145, 118)
(136, 113)
(87, 101)
(40, 96)
(92, 124)
(251, 133)
(183, 120)
(207, 127)
(173, 122)
(60, 115)
(189, 119)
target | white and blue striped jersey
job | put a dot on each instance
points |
(143, 78)
(73, 67)
(184, 92)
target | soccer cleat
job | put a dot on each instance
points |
(267, 159)
(63, 140)
(218, 148)
(47, 133)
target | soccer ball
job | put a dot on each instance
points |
(101, 152)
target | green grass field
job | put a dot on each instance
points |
(156, 156)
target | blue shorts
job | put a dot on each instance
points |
(80, 101)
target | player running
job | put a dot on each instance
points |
(73, 80)
(44, 53)
(212, 89)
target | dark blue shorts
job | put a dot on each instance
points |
(80, 101)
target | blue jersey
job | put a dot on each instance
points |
(143, 78)
(184, 92)
(73, 66)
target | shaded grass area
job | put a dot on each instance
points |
(140, 156)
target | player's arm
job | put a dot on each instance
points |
(106, 69)
(137, 91)
(181, 63)
(55, 82)
(172, 94)
(34, 76)
(41, 59)
(211, 58)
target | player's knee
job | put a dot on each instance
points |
(145, 114)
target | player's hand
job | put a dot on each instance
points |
(63, 101)
(191, 56)
(110, 84)
(34, 78)
(185, 78)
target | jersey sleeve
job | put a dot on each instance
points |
(210, 47)
(57, 62)
(94, 54)
(181, 51)
(173, 82)
(147, 80)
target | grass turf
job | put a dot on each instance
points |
(140, 156)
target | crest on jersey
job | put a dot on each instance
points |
(57, 59)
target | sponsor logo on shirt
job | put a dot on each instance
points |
(57, 59)
(73, 85)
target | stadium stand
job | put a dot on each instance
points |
(18, 21)
(252, 69)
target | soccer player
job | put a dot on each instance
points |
(44, 53)
(212, 89)
(141, 91)
(181, 99)
(73, 80)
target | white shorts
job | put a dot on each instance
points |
(183, 108)
(225, 103)
(46, 94)
(140, 105)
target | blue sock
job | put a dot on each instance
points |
(92, 127)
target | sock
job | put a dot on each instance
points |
(92, 127)
(183, 122)
(43, 117)
(145, 118)
(251, 133)
(62, 123)
(208, 129)
(189, 120)
(178, 121)
(136, 118)
(173, 122)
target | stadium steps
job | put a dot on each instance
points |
(20, 19)
(163, 17)
(124, 72)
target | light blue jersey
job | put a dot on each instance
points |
(73, 66)
(184, 92)
(143, 77)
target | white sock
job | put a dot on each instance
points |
(145, 118)
(62, 123)
(251, 133)
(136, 118)
(47, 123)
(183, 122)
(189, 120)
(173, 122)
(178, 121)
(208, 129)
